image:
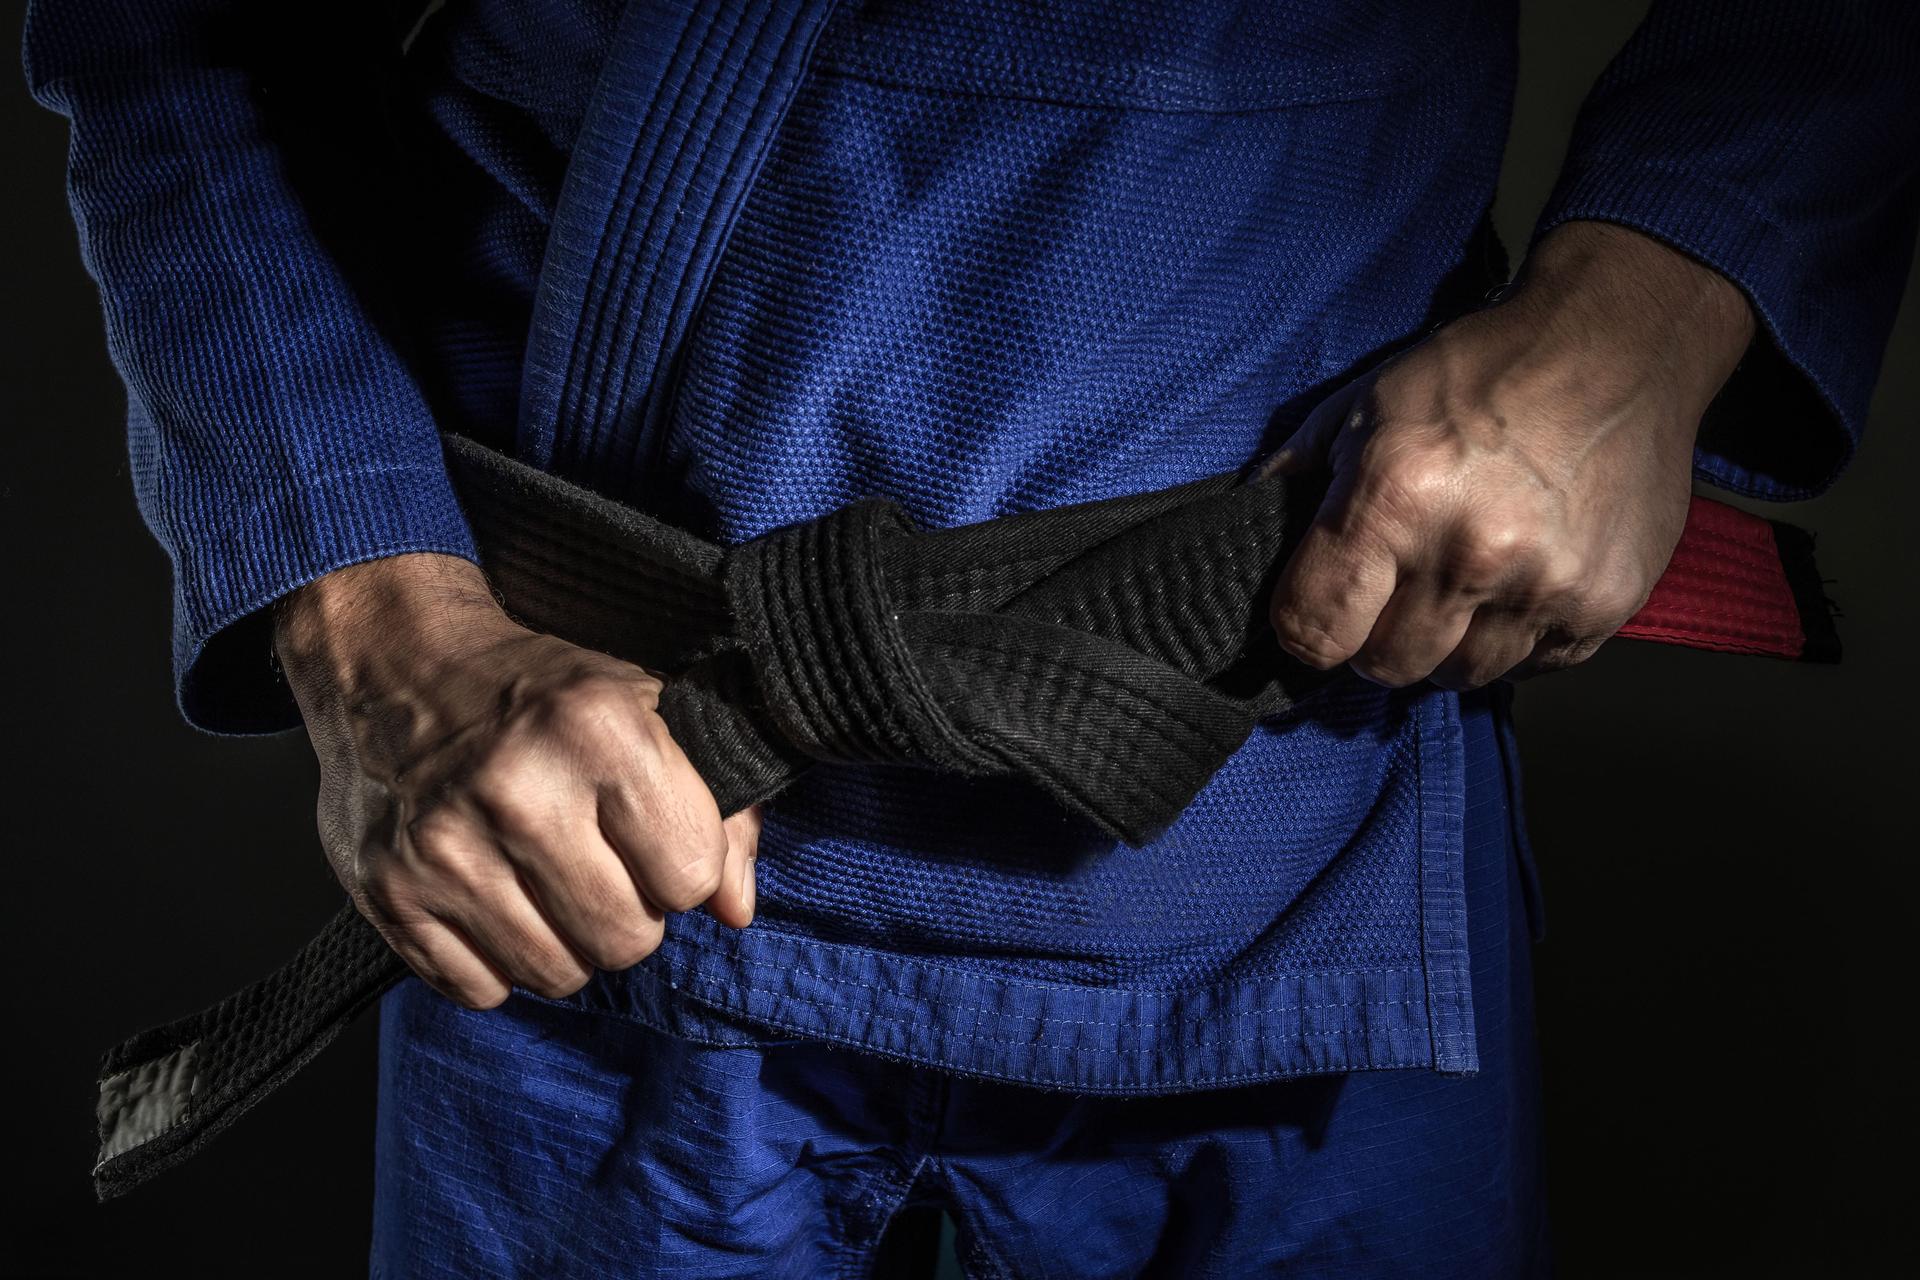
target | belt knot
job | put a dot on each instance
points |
(822, 631)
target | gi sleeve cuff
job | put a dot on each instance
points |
(225, 678)
(1787, 421)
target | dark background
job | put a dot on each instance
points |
(1720, 992)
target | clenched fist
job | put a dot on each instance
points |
(505, 807)
(1505, 494)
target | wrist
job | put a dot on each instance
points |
(335, 631)
(1648, 308)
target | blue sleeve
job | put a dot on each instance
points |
(1778, 143)
(274, 433)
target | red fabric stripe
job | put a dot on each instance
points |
(1724, 589)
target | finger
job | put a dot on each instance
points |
(732, 903)
(1307, 448)
(1343, 572)
(1497, 642)
(551, 837)
(580, 884)
(1578, 626)
(1415, 631)
(447, 960)
(1331, 592)
(508, 927)
(663, 823)
(1556, 650)
(546, 833)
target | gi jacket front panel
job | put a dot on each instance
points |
(742, 263)
(1000, 260)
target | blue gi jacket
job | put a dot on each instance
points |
(743, 263)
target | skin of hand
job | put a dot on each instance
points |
(506, 808)
(1503, 496)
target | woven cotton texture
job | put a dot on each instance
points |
(742, 264)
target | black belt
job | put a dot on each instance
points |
(1114, 653)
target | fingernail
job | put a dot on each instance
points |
(746, 886)
(1279, 462)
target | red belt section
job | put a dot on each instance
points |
(1739, 583)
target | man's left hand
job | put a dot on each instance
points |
(1505, 494)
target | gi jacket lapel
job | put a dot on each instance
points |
(684, 113)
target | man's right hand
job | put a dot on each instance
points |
(505, 807)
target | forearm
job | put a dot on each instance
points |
(1506, 493)
(479, 774)
(1778, 143)
(1644, 309)
(274, 433)
(334, 626)
(363, 646)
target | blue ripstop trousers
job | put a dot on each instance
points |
(541, 1140)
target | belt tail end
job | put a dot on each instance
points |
(146, 1107)
(1740, 583)
(1818, 611)
(167, 1092)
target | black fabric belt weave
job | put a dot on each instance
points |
(1114, 653)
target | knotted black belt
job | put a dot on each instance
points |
(1114, 653)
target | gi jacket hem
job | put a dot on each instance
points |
(762, 984)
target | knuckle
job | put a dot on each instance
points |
(1598, 613)
(576, 708)
(498, 777)
(519, 796)
(606, 729)
(1575, 653)
(433, 832)
(1562, 575)
(438, 851)
(450, 867)
(1459, 673)
(1563, 649)
(479, 998)
(1384, 672)
(646, 746)
(559, 988)
(623, 943)
(595, 711)
(469, 992)
(1405, 487)
(685, 884)
(1552, 660)
(658, 735)
(427, 960)
(580, 696)
(1409, 477)
(1309, 640)
(424, 967)
(518, 814)
(1486, 550)
(390, 894)
(1612, 605)
(645, 685)
(1480, 674)
(685, 887)
(556, 976)
(497, 771)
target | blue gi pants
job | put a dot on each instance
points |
(539, 1140)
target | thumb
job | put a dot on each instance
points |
(733, 902)
(1307, 448)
